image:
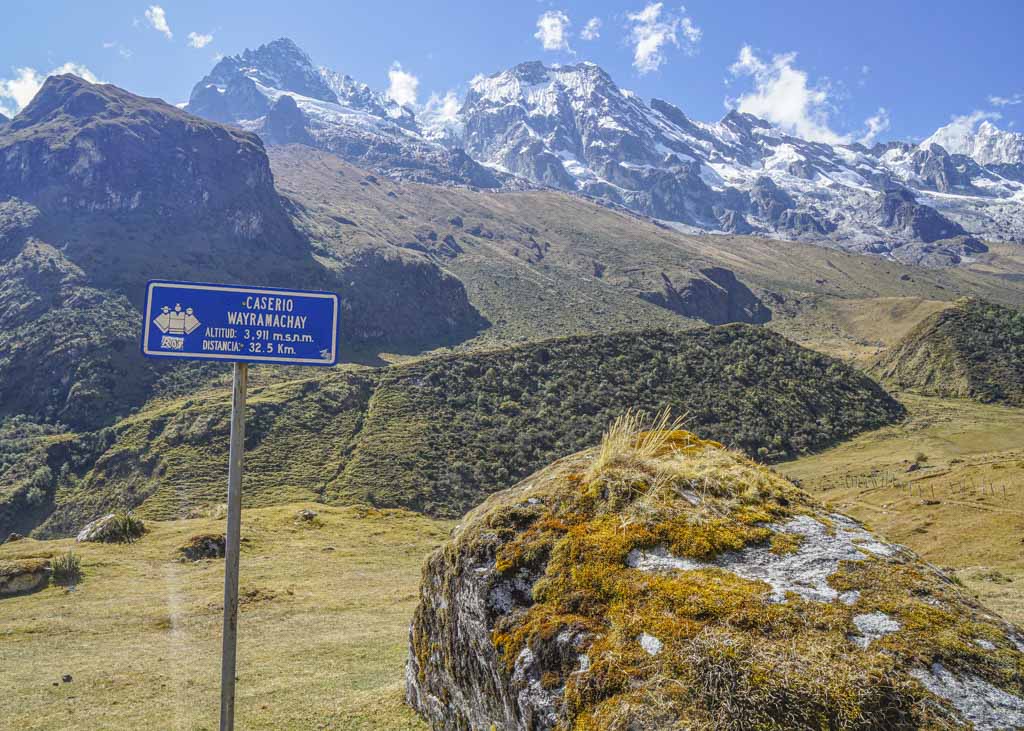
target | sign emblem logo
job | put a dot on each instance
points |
(176, 322)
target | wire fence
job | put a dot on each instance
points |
(929, 486)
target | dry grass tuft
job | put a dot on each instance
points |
(628, 442)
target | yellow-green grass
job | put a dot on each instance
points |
(856, 329)
(964, 507)
(322, 632)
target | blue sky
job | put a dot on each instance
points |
(830, 70)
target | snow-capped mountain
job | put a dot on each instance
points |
(986, 143)
(277, 92)
(572, 128)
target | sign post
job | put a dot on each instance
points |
(241, 325)
(232, 545)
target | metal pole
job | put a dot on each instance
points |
(231, 548)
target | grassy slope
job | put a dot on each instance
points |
(857, 330)
(531, 267)
(322, 635)
(438, 434)
(947, 510)
(973, 350)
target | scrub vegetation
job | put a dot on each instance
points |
(972, 350)
(437, 435)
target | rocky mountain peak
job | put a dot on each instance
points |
(360, 96)
(332, 111)
(96, 147)
(280, 64)
(985, 143)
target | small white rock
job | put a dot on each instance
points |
(849, 598)
(651, 644)
(873, 626)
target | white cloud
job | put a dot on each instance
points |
(553, 31)
(592, 30)
(200, 40)
(783, 96)
(651, 31)
(17, 92)
(876, 125)
(158, 20)
(117, 46)
(963, 125)
(442, 108)
(403, 85)
(1006, 101)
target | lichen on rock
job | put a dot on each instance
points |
(660, 581)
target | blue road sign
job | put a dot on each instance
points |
(240, 324)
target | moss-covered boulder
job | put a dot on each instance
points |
(204, 546)
(663, 582)
(24, 576)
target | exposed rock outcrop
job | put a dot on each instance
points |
(898, 209)
(203, 547)
(663, 582)
(120, 527)
(23, 577)
(286, 124)
(717, 297)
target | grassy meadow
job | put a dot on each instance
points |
(325, 610)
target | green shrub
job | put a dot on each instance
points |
(66, 569)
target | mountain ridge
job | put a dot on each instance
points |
(572, 128)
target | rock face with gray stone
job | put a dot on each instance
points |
(564, 602)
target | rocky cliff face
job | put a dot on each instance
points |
(717, 297)
(899, 210)
(662, 582)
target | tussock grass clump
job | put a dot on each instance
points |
(126, 527)
(66, 569)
